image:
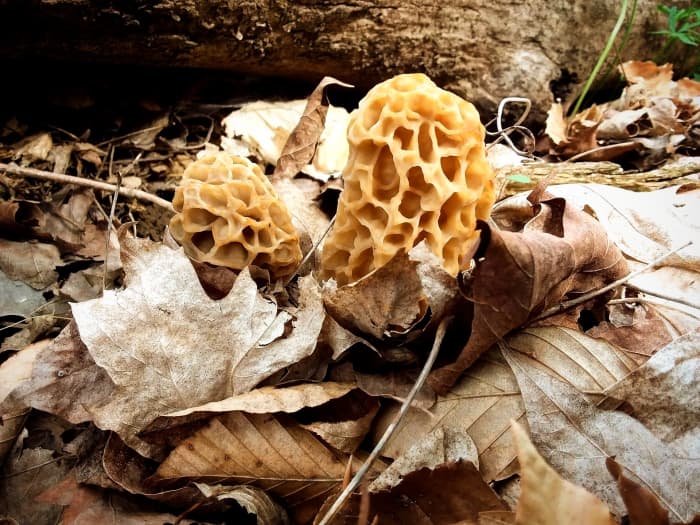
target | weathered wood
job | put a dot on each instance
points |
(481, 49)
(671, 174)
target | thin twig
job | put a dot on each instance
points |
(586, 297)
(655, 302)
(345, 494)
(598, 149)
(664, 296)
(311, 251)
(14, 169)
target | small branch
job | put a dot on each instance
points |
(345, 494)
(586, 297)
(14, 169)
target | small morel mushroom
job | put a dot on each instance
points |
(417, 171)
(229, 215)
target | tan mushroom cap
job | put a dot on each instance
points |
(229, 215)
(417, 171)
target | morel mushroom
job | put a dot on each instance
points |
(417, 171)
(229, 215)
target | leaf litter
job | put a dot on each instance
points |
(192, 387)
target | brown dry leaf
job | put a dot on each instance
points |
(31, 262)
(589, 365)
(575, 436)
(560, 251)
(663, 395)
(450, 493)
(13, 372)
(163, 342)
(643, 508)
(481, 405)
(339, 339)
(253, 500)
(263, 450)
(441, 445)
(26, 474)
(85, 504)
(342, 423)
(549, 499)
(388, 302)
(301, 144)
(646, 226)
(494, 517)
(65, 380)
(265, 359)
(263, 400)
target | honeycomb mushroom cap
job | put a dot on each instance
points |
(417, 170)
(229, 215)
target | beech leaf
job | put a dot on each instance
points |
(575, 436)
(268, 452)
(548, 499)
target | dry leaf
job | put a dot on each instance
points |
(643, 507)
(263, 360)
(261, 129)
(388, 302)
(574, 436)
(163, 342)
(301, 143)
(494, 517)
(263, 400)
(26, 473)
(84, 504)
(30, 262)
(342, 423)
(254, 500)
(262, 450)
(548, 499)
(450, 493)
(18, 299)
(435, 448)
(481, 405)
(339, 339)
(65, 380)
(559, 251)
(663, 395)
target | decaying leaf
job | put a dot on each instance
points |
(301, 143)
(30, 262)
(389, 301)
(555, 251)
(65, 380)
(262, 128)
(643, 507)
(263, 400)
(575, 437)
(481, 405)
(548, 499)
(263, 450)
(163, 342)
(263, 360)
(85, 504)
(452, 492)
(663, 394)
(252, 499)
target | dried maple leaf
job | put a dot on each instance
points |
(575, 437)
(559, 251)
(642, 506)
(548, 499)
(167, 346)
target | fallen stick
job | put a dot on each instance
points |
(14, 169)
